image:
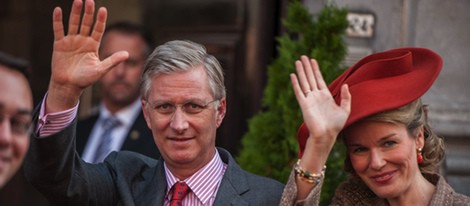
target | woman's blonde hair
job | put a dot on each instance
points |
(413, 116)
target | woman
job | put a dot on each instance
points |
(374, 107)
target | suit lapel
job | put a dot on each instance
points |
(160, 185)
(153, 190)
(234, 183)
(227, 193)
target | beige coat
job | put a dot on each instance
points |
(354, 192)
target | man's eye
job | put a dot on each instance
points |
(131, 63)
(164, 108)
(193, 108)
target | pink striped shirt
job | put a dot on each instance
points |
(52, 123)
(204, 184)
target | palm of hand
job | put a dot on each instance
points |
(75, 60)
(322, 116)
(321, 113)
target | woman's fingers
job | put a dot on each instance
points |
(309, 75)
(308, 67)
(297, 90)
(302, 78)
(346, 99)
(319, 82)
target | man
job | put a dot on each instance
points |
(183, 98)
(16, 105)
(119, 99)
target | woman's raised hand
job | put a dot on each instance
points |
(322, 116)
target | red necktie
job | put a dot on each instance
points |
(180, 189)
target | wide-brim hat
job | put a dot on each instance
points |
(383, 81)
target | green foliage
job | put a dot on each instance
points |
(270, 145)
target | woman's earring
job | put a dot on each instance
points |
(420, 155)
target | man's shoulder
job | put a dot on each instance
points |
(263, 184)
(256, 185)
(233, 167)
(133, 166)
(243, 187)
(126, 158)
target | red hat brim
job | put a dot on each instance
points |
(383, 81)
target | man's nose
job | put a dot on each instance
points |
(179, 121)
(120, 69)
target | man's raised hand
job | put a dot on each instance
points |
(75, 61)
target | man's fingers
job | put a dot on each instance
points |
(57, 25)
(74, 19)
(113, 60)
(87, 20)
(100, 24)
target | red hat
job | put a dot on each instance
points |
(383, 81)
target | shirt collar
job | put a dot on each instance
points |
(204, 182)
(126, 115)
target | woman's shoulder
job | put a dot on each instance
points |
(445, 194)
(460, 199)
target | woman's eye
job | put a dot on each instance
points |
(389, 143)
(359, 149)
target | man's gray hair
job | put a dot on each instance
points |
(179, 56)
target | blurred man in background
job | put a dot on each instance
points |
(120, 99)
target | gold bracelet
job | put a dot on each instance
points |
(308, 176)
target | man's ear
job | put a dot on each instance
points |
(146, 112)
(221, 110)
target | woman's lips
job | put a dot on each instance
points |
(384, 177)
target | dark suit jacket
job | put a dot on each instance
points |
(126, 178)
(138, 139)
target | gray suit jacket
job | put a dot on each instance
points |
(53, 166)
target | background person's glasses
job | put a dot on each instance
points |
(19, 125)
